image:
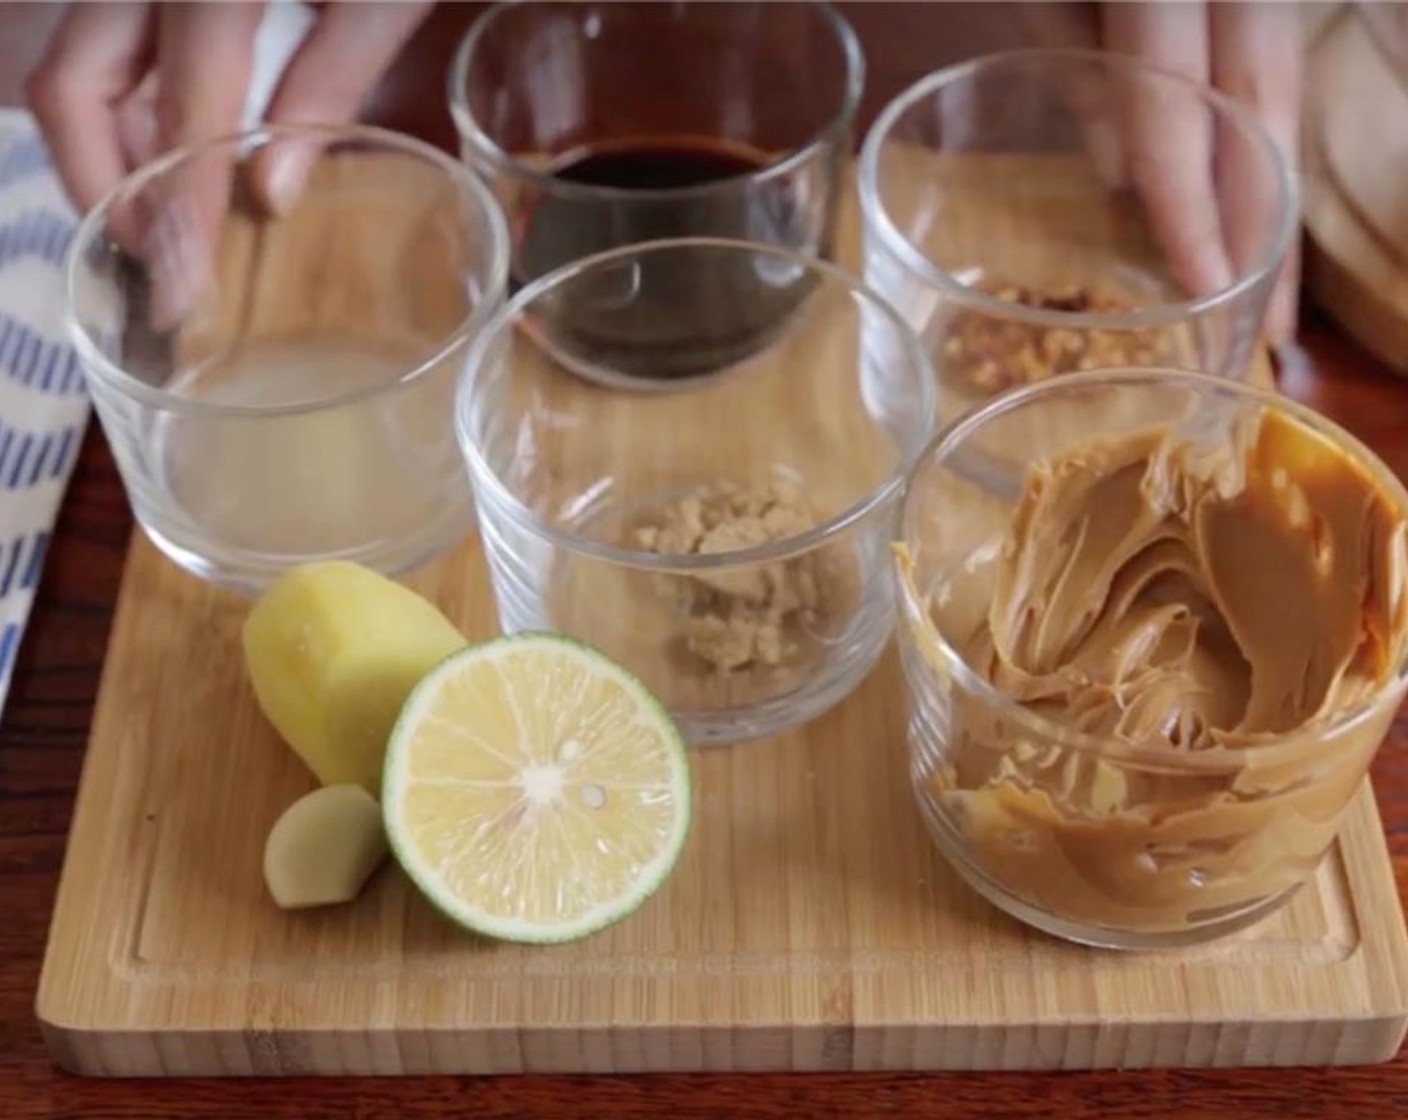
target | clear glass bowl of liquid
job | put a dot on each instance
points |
(277, 381)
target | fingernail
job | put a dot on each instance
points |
(1273, 327)
(288, 168)
(136, 126)
(1281, 318)
(1106, 154)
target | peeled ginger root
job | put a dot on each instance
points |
(332, 650)
(324, 847)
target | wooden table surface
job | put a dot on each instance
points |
(46, 723)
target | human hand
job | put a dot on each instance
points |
(1208, 206)
(121, 82)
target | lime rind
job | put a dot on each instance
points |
(396, 777)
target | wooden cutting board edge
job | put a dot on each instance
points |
(1354, 1011)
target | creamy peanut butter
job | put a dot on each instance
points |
(1209, 606)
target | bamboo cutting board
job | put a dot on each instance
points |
(1354, 156)
(810, 925)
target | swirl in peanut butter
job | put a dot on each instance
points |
(1217, 603)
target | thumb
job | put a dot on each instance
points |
(344, 55)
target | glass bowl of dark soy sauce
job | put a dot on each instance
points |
(603, 125)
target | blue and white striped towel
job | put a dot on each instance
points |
(43, 397)
(43, 402)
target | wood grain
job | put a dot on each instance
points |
(41, 750)
(1360, 126)
(811, 925)
(1354, 159)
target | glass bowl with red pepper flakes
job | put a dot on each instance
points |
(988, 354)
(1029, 216)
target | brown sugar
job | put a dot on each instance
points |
(750, 617)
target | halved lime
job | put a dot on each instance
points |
(535, 790)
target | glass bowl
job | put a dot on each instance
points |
(277, 381)
(724, 535)
(1038, 212)
(606, 124)
(1147, 671)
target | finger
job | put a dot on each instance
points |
(1168, 136)
(136, 124)
(204, 57)
(1055, 24)
(326, 82)
(205, 53)
(1284, 309)
(96, 58)
(1256, 59)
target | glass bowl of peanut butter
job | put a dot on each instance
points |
(1154, 627)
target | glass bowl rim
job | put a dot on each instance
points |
(928, 274)
(90, 231)
(470, 132)
(504, 322)
(1217, 759)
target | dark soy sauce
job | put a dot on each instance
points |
(664, 164)
(680, 314)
